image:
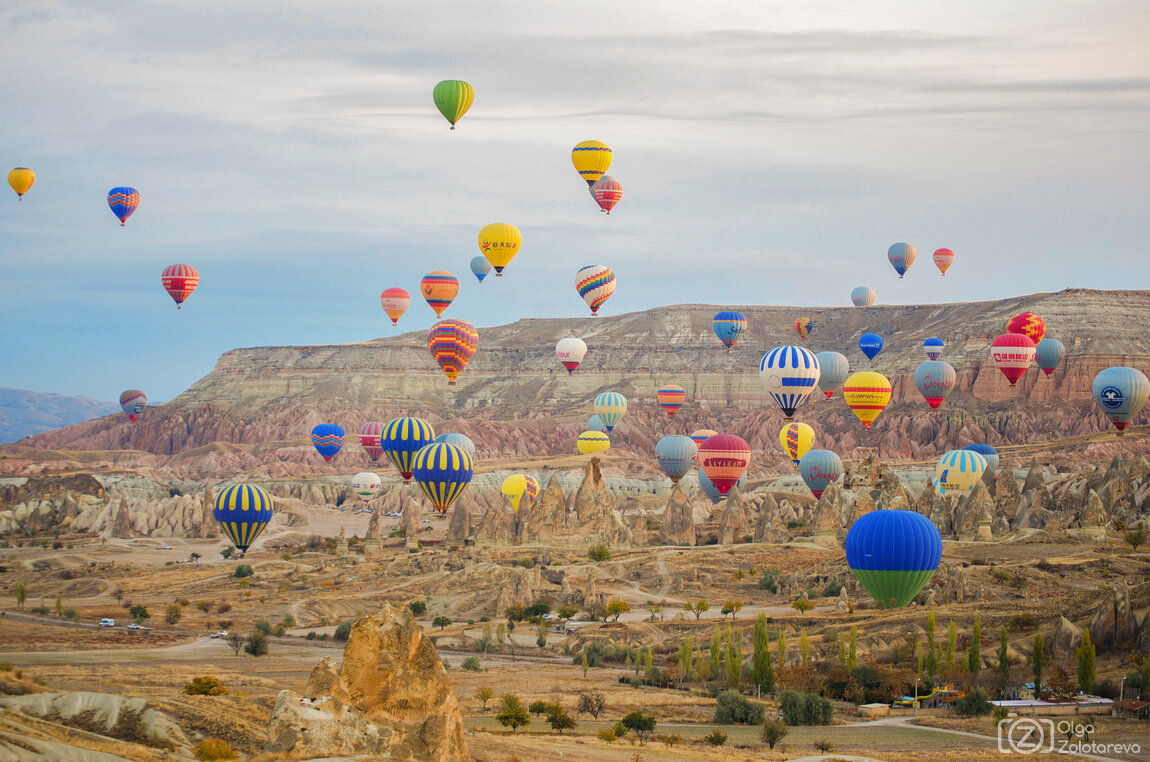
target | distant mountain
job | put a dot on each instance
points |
(24, 413)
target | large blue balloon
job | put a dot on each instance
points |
(328, 439)
(242, 511)
(442, 471)
(480, 267)
(893, 554)
(727, 326)
(987, 452)
(676, 456)
(1121, 392)
(870, 344)
(709, 488)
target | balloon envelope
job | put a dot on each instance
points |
(833, 370)
(803, 327)
(513, 488)
(591, 159)
(595, 423)
(867, 394)
(439, 288)
(610, 407)
(500, 242)
(942, 260)
(789, 374)
(862, 296)
(893, 554)
(462, 441)
(934, 380)
(595, 283)
(700, 436)
(1012, 354)
(395, 301)
(242, 511)
(870, 344)
(133, 402)
(797, 440)
(1049, 354)
(442, 471)
(365, 484)
(709, 488)
(933, 348)
(727, 325)
(402, 438)
(452, 344)
(671, 397)
(1121, 392)
(180, 281)
(607, 192)
(123, 202)
(901, 256)
(1029, 324)
(819, 468)
(592, 441)
(571, 352)
(21, 179)
(369, 434)
(453, 97)
(725, 458)
(327, 438)
(531, 492)
(987, 452)
(676, 456)
(480, 267)
(958, 471)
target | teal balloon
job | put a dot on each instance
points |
(480, 267)
(676, 456)
(833, 371)
(819, 468)
(1121, 393)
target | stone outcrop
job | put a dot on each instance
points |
(1067, 638)
(459, 526)
(971, 509)
(733, 524)
(770, 527)
(121, 526)
(593, 517)
(678, 524)
(498, 525)
(548, 517)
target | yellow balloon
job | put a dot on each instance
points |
(797, 440)
(958, 471)
(593, 441)
(513, 487)
(591, 159)
(500, 242)
(867, 394)
(21, 179)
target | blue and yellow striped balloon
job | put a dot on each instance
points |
(242, 511)
(610, 407)
(402, 438)
(959, 471)
(443, 471)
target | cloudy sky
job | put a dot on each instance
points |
(770, 153)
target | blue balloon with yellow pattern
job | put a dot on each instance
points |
(442, 471)
(728, 325)
(242, 511)
(402, 438)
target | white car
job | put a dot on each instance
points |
(106, 622)
(165, 547)
(133, 626)
(221, 634)
(427, 521)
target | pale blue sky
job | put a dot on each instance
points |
(769, 152)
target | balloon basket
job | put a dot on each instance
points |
(451, 383)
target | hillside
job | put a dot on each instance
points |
(24, 413)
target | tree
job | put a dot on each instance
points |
(734, 659)
(256, 644)
(732, 708)
(140, 613)
(686, 659)
(418, 608)
(173, 614)
(591, 702)
(195, 557)
(773, 731)
(973, 704)
(1086, 674)
(974, 655)
(852, 652)
(732, 608)
(441, 622)
(483, 694)
(342, 631)
(22, 595)
(566, 611)
(782, 647)
(699, 607)
(471, 664)
(263, 625)
(539, 707)
(804, 649)
(559, 720)
(599, 553)
(653, 611)
(1003, 666)
(770, 580)
(762, 672)
(500, 633)
(1037, 657)
(205, 686)
(617, 607)
(584, 663)
(802, 605)
(541, 635)
(951, 646)
(716, 650)
(227, 552)
(59, 606)
(243, 570)
(805, 708)
(512, 714)
(930, 661)
(236, 641)
(641, 724)
(1136, 537)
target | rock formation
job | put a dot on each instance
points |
(121, 525)
(459, 526)
(770, 526)
(594, 515)
(733, 524)
(678, 525)
(549, 517)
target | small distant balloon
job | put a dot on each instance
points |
(180, 281)
(1012, 354)
(133, 402)
(862, 296)
(934, 380)
(819, 468)
(595, 423)
(933, 348)
(590, 442)
(870, 344)
(571, 352)
(366, 484)
(452, 344)
(987, 452)
(728, 325)
(724, 458)
(395, 302)
(1121, 393)
(701, 435)
(595, 284)
(803, 327)
(1049, 354)
(867, 394)
(607, 192)
(676, 455)
(513, 488)
(901, 256)
(453, 97)
(242, 511)
(1028, 324)
(480, 267)
(327, 438)
(958, 471)
(709, 488)
(789, 374)
(797, 439)
(943, 258)
(402, 438)
(369, 434)
(442, 471)
(671, 397)
(462, 441)
(439, 288)
(123, 201)
(591, 159)
(21, 179)
(499, 242)
(610, 407)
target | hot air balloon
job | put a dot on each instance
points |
(933, 348)
(439, 288)
(395, 301)
(958, 471)
(724, 457)
(833, 370)
(327, 439)
(1049, 354)
(988, 452)
(819, 468)
(452, 344)
(595, 423)
(870, 344)
(1012, 354)
(901, 256)
(591, 159)
(727, 326)
(453, 97)
(893, 554)
(365, 484)
(790, 374)
(942, 260)
(934, 380)
(700, 436)
(242, 511)
(671, 398)
(402, 438)
(610, 407)
(803, 327)
(133, 402)
(21, 179)
(571, 352)
(709, 488)
(862, 296)
(1121, 392)
(180, 281)
(480, 267)
(797, 439)
(1029, 324)
(676, 456)
(500, 242)
(442, 471)
(369, 434)
(595, 283)
(513, 488)
(123, 201)
(462, 441)
(592, 441)
(607, 192)
(867, 394)
(531, 492)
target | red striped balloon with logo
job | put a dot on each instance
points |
(724, 459)
(1012, 354)
(180, 281)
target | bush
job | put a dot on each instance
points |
(213, 749)
(471, 664)
(418, 608)
(824, 745)
(441, 622)
(805, 709)
(599, 553)
(735, 709)
(641, 723)
(205, 686)
(833, 588)
(256, 644)
(973, 704)
(773, 731)
(311, 635)
(243, 570)
(1022, 622)
(342, 631)
(770, 580)
(608, 735)
(716, 737)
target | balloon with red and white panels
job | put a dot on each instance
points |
(571, 352)
(724, 458)
(1012, 354)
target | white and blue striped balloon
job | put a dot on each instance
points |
(790, 374)
(958, 471)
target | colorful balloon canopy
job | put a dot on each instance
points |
(133, 402)
(366, 484)
(819, 468)
(676, 456)
(453, 97)
(901, 256)
(480, 267)
(439, 288)
(701, 435)
(934, 380)
(933, 347)
(1029, 324)
(442, 471)
(724, 457)
(789, 374)
(571, 352)
(402, 438)
(327, 438)
(1012, 354)
(180, 281)
(803, 327)
(797, 439)
(452, 344)
(833, 370)
(987, 452)
(369, 439)
(727, 325)
(610, 407)
(123, 201)
(513, 488)
(958, 471)
(595, 423)
(709, 488)
(593, 441)
(943, 258)
(862, 296)
(607, 192)
(893, 554)
(21, 179)
(595, 283)
(1121, 392)
(870, 344)
(671, 397)
(242, 511)
(532, 491)
(500, 242)
(395, 301)
(462, 441)
(1049, 354)
(867, 394)
(591, 159)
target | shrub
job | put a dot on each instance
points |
(802, 605)
(608, 735)
(973, 704)
(243, 570)
(471, 664)
(512, 714)
(263, 626)
(833, 588)
(311, 635)
(214, 749)
(599, 553)
(641, 724)
(539, 707)
(342, 631)
(716, 737)
(824, 745)
(256, 644)
(418, 608)
(773, 731)
(205, 686)
(770, 580)
(559, 720)
(735, 709)
(527, 563)
(441, 622)
(805, 709)
(1022, 622)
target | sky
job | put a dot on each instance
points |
(770, 152)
